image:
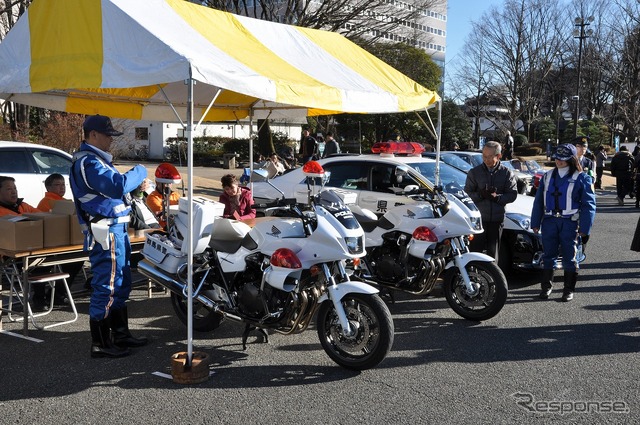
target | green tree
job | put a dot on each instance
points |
(455, 126)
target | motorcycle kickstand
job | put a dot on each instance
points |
(250, 328)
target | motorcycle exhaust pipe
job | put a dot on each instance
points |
(151, 272)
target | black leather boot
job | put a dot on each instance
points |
(570, 279)
(120, 329)
(101, 345)
(547, 284)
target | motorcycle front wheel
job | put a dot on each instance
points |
(489, 298)
(204, 320)
(373, 337)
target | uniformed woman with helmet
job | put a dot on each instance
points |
(564, 207)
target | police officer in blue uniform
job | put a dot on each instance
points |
(103, 204)
(564, 207)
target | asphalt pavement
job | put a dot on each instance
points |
(535, 362)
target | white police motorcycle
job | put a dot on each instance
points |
(276, 275)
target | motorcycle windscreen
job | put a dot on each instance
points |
(336, 207)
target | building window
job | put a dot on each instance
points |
(142, 133)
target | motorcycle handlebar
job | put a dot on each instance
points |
(282, 202)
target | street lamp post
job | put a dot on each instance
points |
(580, 34)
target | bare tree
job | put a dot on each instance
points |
(10, 11)
(626, 78)
(509, 61)
(472, 80)
(369, 20)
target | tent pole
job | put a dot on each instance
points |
(171, 104)
(435, 132)
(208, 107)
(190, 225)
(251, 147)
(438, 140)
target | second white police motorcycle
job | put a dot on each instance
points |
(413, 246)
(276, 275)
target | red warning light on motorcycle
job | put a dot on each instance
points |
(313, 169)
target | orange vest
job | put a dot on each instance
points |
(47, 202)
(155, 201)
(22, 208)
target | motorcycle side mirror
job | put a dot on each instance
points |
(262, 175)
(411, 188)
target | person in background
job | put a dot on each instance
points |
(273, 166)
(601, 157)
(103, 204)
(155, 200)
(331, 146)
(508, 146)
(622, 165)
(308, 146)
(582, 147)
(237, 200)
(10, 204)
(287, 157)
(56, 188)
(141, 215)
(564, 207)
(490, 186)
(319, 152)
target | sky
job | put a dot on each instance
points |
(460, 13)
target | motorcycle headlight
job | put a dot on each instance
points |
(354, 245)
(521, 220)
(476, 223)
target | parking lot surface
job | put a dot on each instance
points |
(535, 362)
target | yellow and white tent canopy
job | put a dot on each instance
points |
(130, 59)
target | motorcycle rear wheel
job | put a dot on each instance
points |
(491, 296)
(374, 331)
(204, 320)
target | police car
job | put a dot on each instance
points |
(30, 164)
(379, 181)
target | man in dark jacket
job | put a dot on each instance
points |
(331, 146)
(622, 170)
(308, 146)
(491, 186)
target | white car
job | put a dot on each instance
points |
(30, 164)
(379, 181)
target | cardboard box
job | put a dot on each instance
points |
(76, 237)
(64, 207)
(55, 228)
(20, 233)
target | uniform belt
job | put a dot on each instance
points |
(116, 220)
(558, 214)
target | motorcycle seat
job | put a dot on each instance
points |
(227, 235)
(367, 223)
(229, 246)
